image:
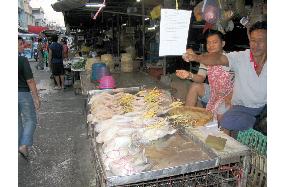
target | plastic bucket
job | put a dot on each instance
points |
(99, 70)
(107, 82)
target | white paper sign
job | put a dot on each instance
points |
(174, 31)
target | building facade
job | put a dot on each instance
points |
(25, 16)
(39, 17)
(21, 15)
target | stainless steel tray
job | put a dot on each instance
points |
(90, 126)
(116, 90)
(131, 90)
(109, 180)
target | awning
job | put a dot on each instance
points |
(22, 30)
(36, 29)
(66, 5)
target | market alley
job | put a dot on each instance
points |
(60, 155)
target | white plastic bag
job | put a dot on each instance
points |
(211, 11)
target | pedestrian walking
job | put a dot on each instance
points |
(55, 59)
(28, 102)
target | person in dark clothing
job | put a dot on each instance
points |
(28, 102)
(55, 58)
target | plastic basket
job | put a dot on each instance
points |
(257, 142)
(254, 140)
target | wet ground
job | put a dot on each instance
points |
(61, 153)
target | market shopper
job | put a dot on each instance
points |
(40, 64)
(55, 59)
(28, 102)
(45, 53)
(250, 86)
(216, 94)
(65, 49)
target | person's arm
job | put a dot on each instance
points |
(32, 85)
(228, 100)
(183, 74)
(197, 78)
(62, 52)
(27, 73)
(206, 59)
(49, 57)
(67, 54)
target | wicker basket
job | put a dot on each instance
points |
(197, 116)
(108, 60)
(126, 63)
(89, 63)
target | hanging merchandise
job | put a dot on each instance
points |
(226, 11)
(156, 12)
(197, 11)
(258, 13)
(230, 26)
(225, 24)
(240, 8)
(207, 26)
(211, 11)
(218, 26)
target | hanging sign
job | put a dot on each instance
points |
(174, 31)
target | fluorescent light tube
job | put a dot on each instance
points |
(151, 28)
(94, 5)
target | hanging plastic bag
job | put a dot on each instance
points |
(197, 11)
(211, 11)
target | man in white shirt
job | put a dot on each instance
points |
(250, 86)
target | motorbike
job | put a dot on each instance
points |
(35, 54)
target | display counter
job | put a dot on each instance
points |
(182, 158)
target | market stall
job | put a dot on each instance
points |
(139, 139)
(134, 142)
(73, 67)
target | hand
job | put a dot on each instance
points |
(189, 55)
(182, 74)
(37, 103)
(227, 100)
